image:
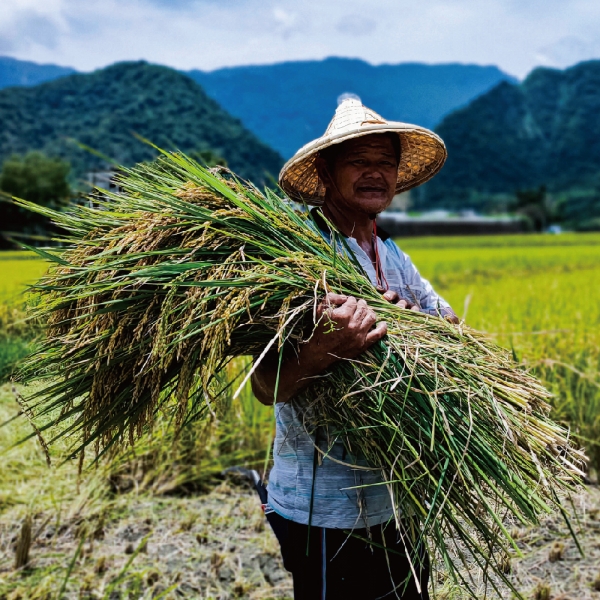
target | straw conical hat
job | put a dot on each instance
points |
(423, 153)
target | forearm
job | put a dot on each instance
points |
(295, 374)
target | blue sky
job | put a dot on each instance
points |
(516, 35)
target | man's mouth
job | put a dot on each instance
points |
(372, 188)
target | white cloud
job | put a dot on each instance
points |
(568, 51)
(209, 34)
(26, 24)
(356, 25)
(29, 27)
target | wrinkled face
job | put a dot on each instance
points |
(363, 175)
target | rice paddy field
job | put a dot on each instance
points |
(161, 523)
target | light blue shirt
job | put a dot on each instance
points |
(337, 501)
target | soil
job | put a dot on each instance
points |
(212, 546)
(219, 546)
(552, 565)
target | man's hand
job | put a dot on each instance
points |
(346, 328)
(394, 298)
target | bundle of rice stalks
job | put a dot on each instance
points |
(161, 285)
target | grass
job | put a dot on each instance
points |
(18, 270)
(193, 460)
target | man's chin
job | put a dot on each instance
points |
(372, 203)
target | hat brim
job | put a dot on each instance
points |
(422, 155)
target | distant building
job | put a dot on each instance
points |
(442, 222)
(105, 180)
(401, 202)
(99, 181)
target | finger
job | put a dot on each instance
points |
(402, 303)
(330, 302)
(415, 308)
(369, 320)
(451, 317)
(376, 334)
(359, 313)
(332, 299)
(391, 296)
(348, 308)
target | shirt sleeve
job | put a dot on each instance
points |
(417, 289)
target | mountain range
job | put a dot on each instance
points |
(21, 72)
(544, 131)
(503, 136)
(289, 104)
(102, 110)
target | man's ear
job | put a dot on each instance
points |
(323, 172)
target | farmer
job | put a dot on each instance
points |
(339, 538)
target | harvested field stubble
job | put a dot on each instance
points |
(213, 546)
(100, 544)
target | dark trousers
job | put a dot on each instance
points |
(334, 565)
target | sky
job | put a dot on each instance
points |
(516, 35)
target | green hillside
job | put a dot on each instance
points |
(543, 132)
(104, 108)
(289, 104)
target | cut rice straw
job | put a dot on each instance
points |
(160, 285)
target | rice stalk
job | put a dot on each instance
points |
(159, 287)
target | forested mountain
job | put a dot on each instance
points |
(22, 72)
(289, 104)
(103, 109)
(542, 132)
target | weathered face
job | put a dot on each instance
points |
(364, 174)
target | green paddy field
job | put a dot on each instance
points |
(538, 295)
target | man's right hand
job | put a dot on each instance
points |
(345, 328)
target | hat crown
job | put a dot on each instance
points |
(352, 113)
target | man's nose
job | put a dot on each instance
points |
(373, 170)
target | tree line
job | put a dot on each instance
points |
(46, 181)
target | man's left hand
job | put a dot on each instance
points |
(394, 298)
